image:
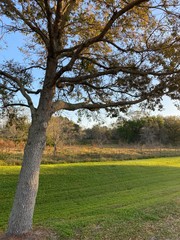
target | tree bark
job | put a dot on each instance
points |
(23, 208)
(21, 217)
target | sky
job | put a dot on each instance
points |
(9, 50)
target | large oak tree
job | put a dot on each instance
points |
(90, 55)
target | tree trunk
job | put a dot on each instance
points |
(21, 216)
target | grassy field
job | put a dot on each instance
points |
(12, 155)
(112, 200)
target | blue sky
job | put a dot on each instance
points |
(10, 51)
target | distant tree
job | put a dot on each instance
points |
(90, 55)
(129, 130)
(172, 130)
(99, 135)
(152, 131)
(16, 126)
(62, 131)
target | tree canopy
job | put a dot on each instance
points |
(106, 53)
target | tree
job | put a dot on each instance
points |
(16, 126)
(97, 135)
(129, 130)
(172, 130)
(103, 54)
(62, 130)
(152, 131)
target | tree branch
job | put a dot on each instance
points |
(2, 86)
(63, 10)
(49, 25)
(32, 67)
(33, 92)
(66, 11)
(21, 87)
(113, 71)
(93, 61)
(58, 17)
(16, 104)
(97, 38)
(26, 21)
(61, 105)
(79, 79)
(157, 91)
(41, 6)
(13, 89)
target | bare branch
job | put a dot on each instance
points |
(32, 67)
(33, 92)
(16, 104)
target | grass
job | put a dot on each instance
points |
(112, 200)
(12, 155)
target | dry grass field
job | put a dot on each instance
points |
(11, 153)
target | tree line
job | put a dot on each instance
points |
(148, 130)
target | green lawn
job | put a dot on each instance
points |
(122, 200)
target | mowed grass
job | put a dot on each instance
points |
(118, 200)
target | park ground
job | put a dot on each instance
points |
(105, 199)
